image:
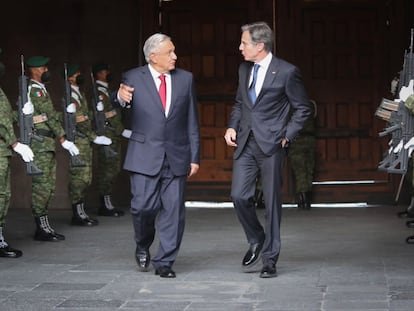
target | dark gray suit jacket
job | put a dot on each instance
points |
(270, 118)
(154, 135)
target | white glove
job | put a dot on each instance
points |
(410, 146)
(391, 147)
(126, 133)
(102, 140)
(71, 108)
(70, 146)
(99, 106)
(399, 146)
(28, 108)
(407, 91)
(25, 152)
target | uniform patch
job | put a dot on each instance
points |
(102, 97)
(39, 93)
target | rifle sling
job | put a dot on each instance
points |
(45, 133)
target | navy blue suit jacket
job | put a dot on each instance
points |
(270, 118)
(155, 135)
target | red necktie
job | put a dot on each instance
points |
(163, 91)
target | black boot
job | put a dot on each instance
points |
(409, 212)
(259, 202)
(308, 200)
(44, 231)
(301, 198)
(107, 208)
(80, 218)
(6, 250)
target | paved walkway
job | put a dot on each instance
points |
(332, 259)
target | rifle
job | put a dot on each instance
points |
(69, 119)
(100, 122)
(26, 128)
(400, 119)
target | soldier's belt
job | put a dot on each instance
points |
(40, 118)
(81, 118)
(46, 133)
(110, 114)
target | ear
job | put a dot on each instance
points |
(260, 46)
(152, 57)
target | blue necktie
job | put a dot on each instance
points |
(252, 88)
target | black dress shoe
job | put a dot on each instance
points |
(143, 259)
(9, 252)
(252, 257)
(84, 222)
(165, 272)
(102, 211)
(268, 271)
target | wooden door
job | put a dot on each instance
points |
(342, 51)
(341, 48)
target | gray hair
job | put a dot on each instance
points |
(260, 32)
(152, 43)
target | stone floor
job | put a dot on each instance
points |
(331, 259)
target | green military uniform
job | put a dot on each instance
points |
(7, 138)
(302, 159)
(47, 124)
(43, 186)
(108, 167)
(81, 177)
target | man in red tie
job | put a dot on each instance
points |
(163, 150)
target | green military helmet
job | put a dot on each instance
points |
(71, 69)
(99, 66)
(37, 61)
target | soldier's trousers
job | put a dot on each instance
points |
(43, 186)
(4, 188)
(80, 178)
(108, 168)
(302, 160)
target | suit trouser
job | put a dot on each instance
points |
(245, 172)
(158, 205)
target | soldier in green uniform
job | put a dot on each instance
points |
(7, 140)
(47, 124)
(108, 167)
(302, 159)
(81, 177)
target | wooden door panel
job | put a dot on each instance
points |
(341, 73)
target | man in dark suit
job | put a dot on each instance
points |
(163, 150)
(260, 128)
